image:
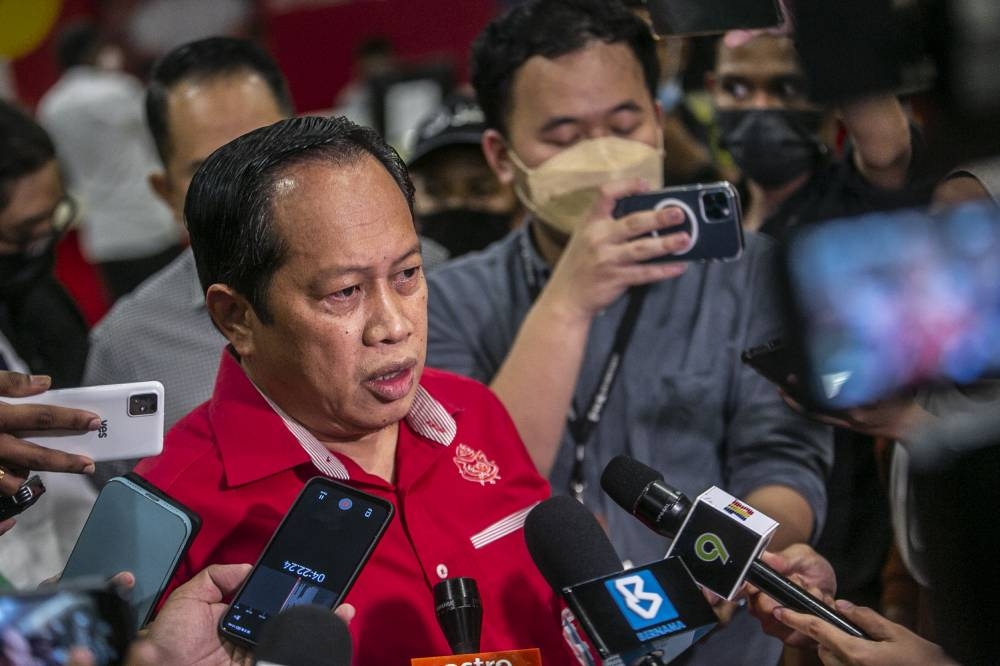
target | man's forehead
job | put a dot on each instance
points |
(761, 57)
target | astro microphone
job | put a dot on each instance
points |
(644, 616)
(718, 537)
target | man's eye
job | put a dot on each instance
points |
(409, 273)
(737, 89)
(344, 294)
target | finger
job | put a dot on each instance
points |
(17, 453)
(871, 622)
(612, 192)
(346, 613)
(645, 221)
(11, 480)
(144, 653)
(123, 579)
(819, 630)
(653, 272)
(646, 248)
(15, 418)
(79, 656)
(20, 385)
(6, 525)
(776, 561)
(214, 583)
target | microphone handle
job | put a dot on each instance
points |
(792, 596)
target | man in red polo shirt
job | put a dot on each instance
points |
(305, 246)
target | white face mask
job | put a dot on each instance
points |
(563, 189)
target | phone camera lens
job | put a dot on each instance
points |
(716, 206)
(142, 404)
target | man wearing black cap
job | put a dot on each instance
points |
(459, 202)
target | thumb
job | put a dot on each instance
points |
(19, 385)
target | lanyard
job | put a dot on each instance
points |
(581, 424)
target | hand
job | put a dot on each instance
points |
(186, 631)
(892, 644)
(18, 457)
(807, 568)
(895, 418)
(604, 255)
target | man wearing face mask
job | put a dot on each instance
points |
(775, 135)
(458, 201)
(594, 350)
(41, 330)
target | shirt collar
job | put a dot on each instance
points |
(257, 438)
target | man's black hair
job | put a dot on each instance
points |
(24, 148)
(551, 28)
(77, 44)
(202, 60)
(229, 210)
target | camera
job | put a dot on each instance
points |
(24, 497)
(142, 404)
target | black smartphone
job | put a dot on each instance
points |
(712, 217)
(43, 625)
(699, 17)
(314, 556)
(26, 495)
(136, 527)
(888, 302)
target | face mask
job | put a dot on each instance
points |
(772, 146)
(19, 271)
(563, 189)
(463, 230)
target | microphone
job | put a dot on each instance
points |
(718, 537)
(648, 615)
(305, 635)
(460, 613)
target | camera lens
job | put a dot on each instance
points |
(716, 206)
(142, 404)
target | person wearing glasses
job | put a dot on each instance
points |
(42, 333)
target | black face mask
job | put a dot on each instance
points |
(772, 146)
(462, 230)
(19, 271)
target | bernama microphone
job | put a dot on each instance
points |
(304, 635)
(459, 611)
(719, 537)
(643, 616)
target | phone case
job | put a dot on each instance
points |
(713, 219)
(97, 524)
(296, 504)
(131, 426)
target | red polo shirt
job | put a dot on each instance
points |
(464, 485)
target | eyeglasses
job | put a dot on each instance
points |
(24, 236)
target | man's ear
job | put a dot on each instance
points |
(160, 184)
(498, 156)
(233, 316)
(710, 81)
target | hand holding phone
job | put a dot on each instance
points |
(712, 218)
(314, 556)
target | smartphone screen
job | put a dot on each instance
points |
(131, 528)
(313, 557)
(699, 17)
(41, 627)
(889, 301)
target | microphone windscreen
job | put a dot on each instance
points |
(626, 479)
(567, 543)
(306, 635)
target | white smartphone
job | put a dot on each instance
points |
(135, 527)
(131, 420)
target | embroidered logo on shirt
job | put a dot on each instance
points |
(475, 466)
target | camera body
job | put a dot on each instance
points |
(713, 219)
(26, 495)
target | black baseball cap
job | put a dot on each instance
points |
(458, 122)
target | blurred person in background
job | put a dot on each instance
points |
(94, 114)
(458, 201)
(201, 96)
(41, 332)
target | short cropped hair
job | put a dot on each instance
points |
(229, 206)
(202, 60)
(551, 28)
(24, 148)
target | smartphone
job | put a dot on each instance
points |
(700, 17)
(26, 495)
(134, 527)
(313, 557)
(43, 625)
(131, 420)
(713, 219)
(887, 302)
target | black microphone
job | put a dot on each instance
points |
(305, 635)
(646, 615)
(460, 613)
(715, 562)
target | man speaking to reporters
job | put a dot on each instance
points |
(305, 246)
